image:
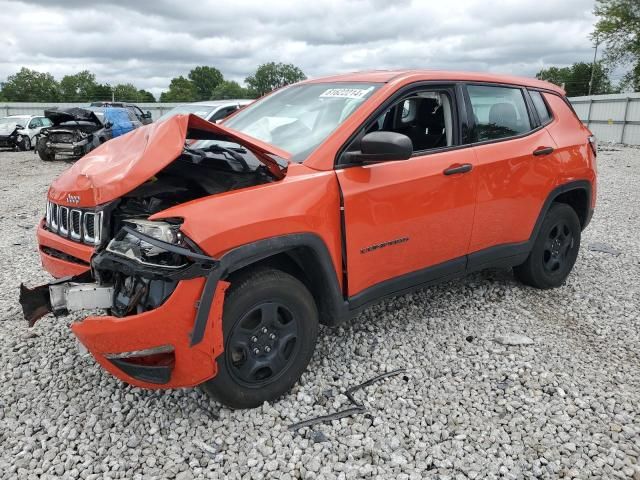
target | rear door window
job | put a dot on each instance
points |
(499, 112)
(541, 107)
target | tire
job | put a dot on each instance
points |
(270, 327)
(555, 249)
(24, 144)
(43, 152)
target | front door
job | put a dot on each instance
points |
(410, 221)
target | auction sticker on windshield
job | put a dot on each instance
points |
(346, 92)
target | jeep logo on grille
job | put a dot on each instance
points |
(75, 199)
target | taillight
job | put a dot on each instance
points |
(593, 142)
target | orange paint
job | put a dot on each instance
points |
(422, 217)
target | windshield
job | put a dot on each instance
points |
(299, 118)
(203, 111)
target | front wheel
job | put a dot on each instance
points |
(44, 153)
(24, 144)
(555, 249)
(270, 326)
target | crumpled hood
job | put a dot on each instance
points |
(118, 166)
(61, 115)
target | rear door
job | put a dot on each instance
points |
(409, 221)
(516, 165)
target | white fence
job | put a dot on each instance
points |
(6, 109)
(611, 118)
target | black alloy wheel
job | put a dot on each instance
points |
(270, 326)
(557, 247)
(262, 343)
(554, 250)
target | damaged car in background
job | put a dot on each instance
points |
(21, 131)
(76, 131)
(215, 250)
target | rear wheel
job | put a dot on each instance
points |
(270, 326)
(555, 249)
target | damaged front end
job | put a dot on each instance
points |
(11, 135)
(161, 296)
(151, 280)
(75, 132)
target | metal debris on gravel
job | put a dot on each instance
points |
(566, 406)
(513, 339)
(357, 408)
(603, 248)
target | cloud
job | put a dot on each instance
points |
(148, 42)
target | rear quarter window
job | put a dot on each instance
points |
(544, 114)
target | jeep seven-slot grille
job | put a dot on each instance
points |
(78, 224)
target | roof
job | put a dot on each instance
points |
(218, 103)
(22, 116)
(403, 76)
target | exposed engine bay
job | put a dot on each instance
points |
(198, 172)
(139, 262)
(135, 262)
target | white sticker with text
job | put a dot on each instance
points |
(345, 92)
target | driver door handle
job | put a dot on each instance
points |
(458, 168)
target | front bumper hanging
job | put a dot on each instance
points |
(173, 345)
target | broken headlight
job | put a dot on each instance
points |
(147, 247)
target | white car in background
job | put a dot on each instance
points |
(21, 131)
(212, 110)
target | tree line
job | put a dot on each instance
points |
(201, 83)
(618, 31)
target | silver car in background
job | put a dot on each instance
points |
(211, 110)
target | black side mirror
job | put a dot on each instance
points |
(147, 115)
(108, 125)
(381, 147)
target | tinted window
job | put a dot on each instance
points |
(499, 112)
(540, 106)
(223, 113)
(132, 115)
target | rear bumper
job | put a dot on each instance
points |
(168, 325)
(62, 257)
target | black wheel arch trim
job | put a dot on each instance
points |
(584, 185)
(251, 253)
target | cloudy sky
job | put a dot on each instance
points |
(147, 42)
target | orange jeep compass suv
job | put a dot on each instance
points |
(215, 250)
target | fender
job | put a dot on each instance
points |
(245, 255)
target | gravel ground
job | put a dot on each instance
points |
(564, 405)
